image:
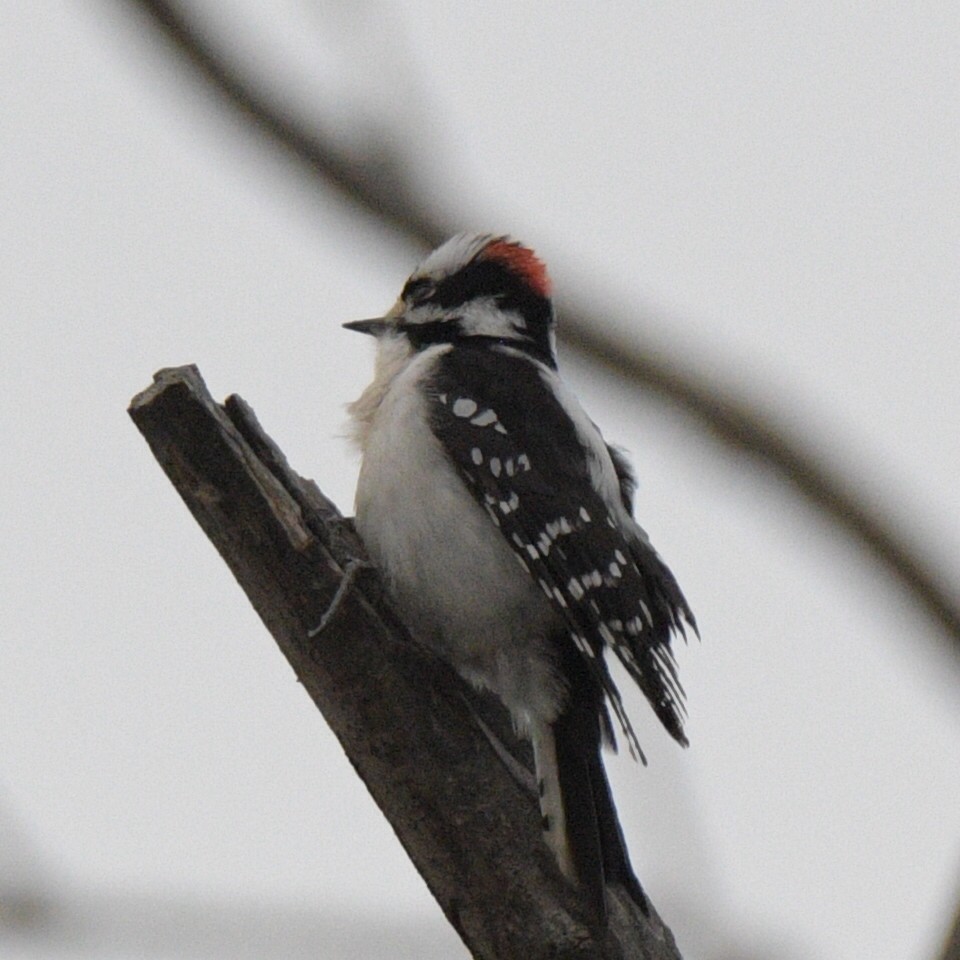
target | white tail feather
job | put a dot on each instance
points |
(553, 816)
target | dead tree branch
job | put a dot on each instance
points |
(406, 720)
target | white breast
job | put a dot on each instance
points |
(456, 582)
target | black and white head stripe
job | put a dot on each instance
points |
(519, 455)
(481, 287)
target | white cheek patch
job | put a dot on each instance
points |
(482, 317)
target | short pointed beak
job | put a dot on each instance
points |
(374, 327)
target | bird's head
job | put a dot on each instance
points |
(474, 289)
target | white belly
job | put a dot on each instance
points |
(457, 583)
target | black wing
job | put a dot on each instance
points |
(520, 457)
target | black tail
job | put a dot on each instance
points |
(596, 843)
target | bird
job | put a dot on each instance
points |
(502, 525)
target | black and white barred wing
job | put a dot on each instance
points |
(533, 479)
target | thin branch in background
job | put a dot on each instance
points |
(374, 181)
(378, 185)
(736, 423)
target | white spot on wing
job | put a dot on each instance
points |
(464, 407)
(484, 419)
(476, 455)
(581, 643)
(584, 516)
(495, 466)
(646, 613)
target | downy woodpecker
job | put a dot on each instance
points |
(502, 524)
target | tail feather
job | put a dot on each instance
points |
(555, 810)
(613, 847)
(579, 819)
(584, 835)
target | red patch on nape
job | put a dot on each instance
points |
(522, 261)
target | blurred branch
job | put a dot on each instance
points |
(361, 180)
(406, 721)
(737, 423)
(372, 181)
(951, 947)
(90, 923)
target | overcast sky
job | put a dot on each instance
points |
(768, 191)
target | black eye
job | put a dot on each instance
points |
(418, 291)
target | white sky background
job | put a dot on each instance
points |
(772, 189)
